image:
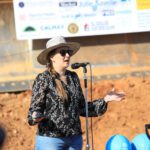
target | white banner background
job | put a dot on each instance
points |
(37, 19)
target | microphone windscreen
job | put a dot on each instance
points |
(75, 66)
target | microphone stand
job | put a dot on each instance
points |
(86, 107)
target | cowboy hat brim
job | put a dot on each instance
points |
(43, 56)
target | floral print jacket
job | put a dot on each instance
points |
(62, 118)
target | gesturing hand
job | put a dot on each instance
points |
(114, 96)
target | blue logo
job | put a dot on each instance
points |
(21, 4)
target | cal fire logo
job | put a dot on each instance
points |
(73, 28)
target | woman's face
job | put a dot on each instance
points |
(61, 57)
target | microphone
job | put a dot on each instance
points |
(78, 65)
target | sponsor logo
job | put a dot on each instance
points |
(73, 28)
(108, 12)
(98, 25)
(29, 29)
(21, 4)
(22, 17)
(67, 4)
(51, 27)
(86, 27)
(96, 4)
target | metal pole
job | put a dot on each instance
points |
(86, 107)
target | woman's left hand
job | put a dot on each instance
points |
(114, 96)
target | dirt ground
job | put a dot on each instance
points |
(127, 117)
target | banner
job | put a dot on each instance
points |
(38, 19)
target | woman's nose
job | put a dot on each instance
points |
(67, 54)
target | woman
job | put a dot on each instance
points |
(58, 101)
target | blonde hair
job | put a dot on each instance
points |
(59, 86)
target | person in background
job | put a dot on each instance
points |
(58, 101)
(2, 137)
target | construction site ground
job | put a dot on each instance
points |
(127, 117)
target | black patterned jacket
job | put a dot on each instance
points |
(61, 118)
